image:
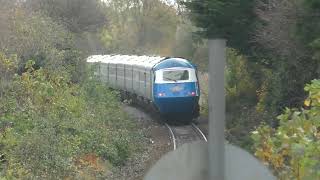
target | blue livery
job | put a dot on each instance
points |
(168, 84)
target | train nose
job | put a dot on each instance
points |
(176, 98)
(177, 104)
(176, 90)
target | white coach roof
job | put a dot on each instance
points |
(146, 61)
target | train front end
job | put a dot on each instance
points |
(176, 90)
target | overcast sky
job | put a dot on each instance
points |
(169, 1)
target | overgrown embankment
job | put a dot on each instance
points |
(56, 121)
(52, 128)
(292, 150)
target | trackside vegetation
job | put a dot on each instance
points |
(49, 126)
(276, 45)
(292, 149)
(57, 121)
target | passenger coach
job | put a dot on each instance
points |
(169, 84)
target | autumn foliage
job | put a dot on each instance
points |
(292, 150)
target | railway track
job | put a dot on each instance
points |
(180, 135)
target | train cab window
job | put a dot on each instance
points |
(176, 75)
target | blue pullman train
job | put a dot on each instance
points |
(169, 84)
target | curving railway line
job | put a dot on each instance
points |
(180, 135)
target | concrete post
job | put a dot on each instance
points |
(217, 62)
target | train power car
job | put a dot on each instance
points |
(169, 84)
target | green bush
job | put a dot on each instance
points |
(35, 36)
(240, 86)
(241, 98)
(51, 123)
(292, 150)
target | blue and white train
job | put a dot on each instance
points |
(169, 84)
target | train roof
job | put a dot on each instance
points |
(155, 62)
(173, 62)
(146, 61)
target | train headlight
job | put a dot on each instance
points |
(192, 93)
(161, 94)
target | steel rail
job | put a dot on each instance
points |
(172, 136)
(199, 131)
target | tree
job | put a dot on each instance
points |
(31, 35)
(5, 16)
(274, 34)
(285, 32)
(140, 27)
(277, 28)
(76, 15)
(233, 20)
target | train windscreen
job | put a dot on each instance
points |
(176, 75)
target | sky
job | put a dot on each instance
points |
(171, 1)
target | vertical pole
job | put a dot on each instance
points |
(217, 61)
